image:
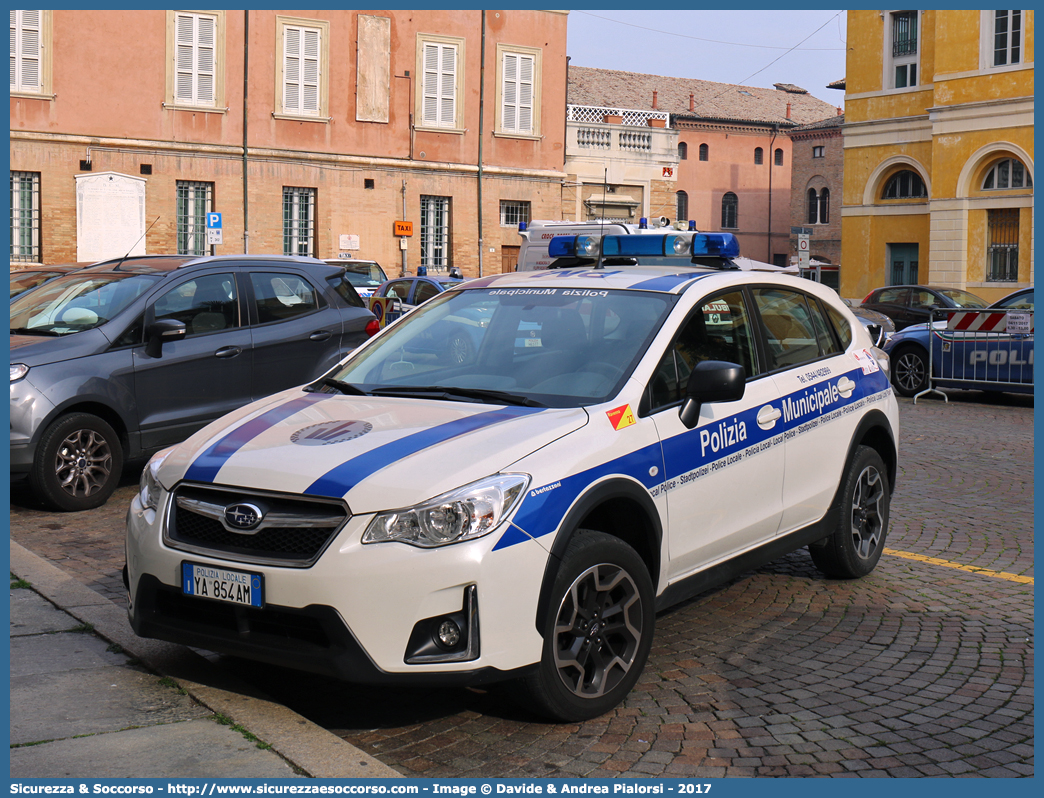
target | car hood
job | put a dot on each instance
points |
(39, 350)
(378, 453)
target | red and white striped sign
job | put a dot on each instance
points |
(982, 321)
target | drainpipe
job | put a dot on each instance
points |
(481, 134)
(246, 90)
(772, 164)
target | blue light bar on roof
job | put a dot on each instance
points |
(636, 246)
(574, 246)
(723, 245)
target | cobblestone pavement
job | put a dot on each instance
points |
(923, 668)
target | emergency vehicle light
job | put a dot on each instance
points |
(723, 245)
(522, 227)
(645, 245)
(574, 246)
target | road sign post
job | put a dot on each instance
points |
(213, 229)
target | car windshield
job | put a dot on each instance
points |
(364, 274)
(78, 302)
(962, 299)
(23, 281)
(543, 347)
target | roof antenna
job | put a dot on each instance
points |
(116, 268)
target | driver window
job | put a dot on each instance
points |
(206, 304)
(719, 329)
(923, 299)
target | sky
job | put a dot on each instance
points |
(749, 48)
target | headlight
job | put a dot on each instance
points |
(149, 486)
(462, 514)
(18, 370)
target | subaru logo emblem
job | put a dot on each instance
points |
(243, 516)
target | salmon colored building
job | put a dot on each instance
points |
(731, 164)
(938, 144)
(310, 132)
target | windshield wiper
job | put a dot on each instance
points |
(35, 331)
(344, 387)
(451, 392)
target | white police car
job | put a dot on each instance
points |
(621, 438)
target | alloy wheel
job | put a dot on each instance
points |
(83, 463)
(598, 631)
(867, 515)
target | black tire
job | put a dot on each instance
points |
(459, 349)
(598, 631)
(855, 546)
(910, 371)
(78, 463)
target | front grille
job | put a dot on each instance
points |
(294, 531)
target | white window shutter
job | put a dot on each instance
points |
(206, 39)
(301, 50)
(448, 92)
(26, 40)
(439, 103)
(517, 93)
(310, 71)
(195, 61)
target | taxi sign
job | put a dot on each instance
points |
(403, 228)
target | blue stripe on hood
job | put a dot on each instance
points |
(338, 481)
(207, 465)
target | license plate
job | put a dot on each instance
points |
(222, 584)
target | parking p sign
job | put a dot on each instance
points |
(213, 228)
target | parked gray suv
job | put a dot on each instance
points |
(121, 359)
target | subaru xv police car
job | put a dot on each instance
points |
(626, 433)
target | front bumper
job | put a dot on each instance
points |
(354, 614)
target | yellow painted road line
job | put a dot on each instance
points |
(909, 555)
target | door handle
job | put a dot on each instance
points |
(320, 335)
(768, 416)
(845, 387)
(228, 351)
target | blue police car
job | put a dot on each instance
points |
(989, 350)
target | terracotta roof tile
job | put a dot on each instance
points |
(719, 101)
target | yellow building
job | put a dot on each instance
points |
(938, 143)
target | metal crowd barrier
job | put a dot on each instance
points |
(985, 350)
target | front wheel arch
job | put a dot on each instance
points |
(619, 507)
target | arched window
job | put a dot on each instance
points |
(683, 151)
(903, 185)
(729, 211)
(759, 155)
(779, 157)
(824, 206)
(1009, 173)
(683, 206)
(813, 207)
(704, 152)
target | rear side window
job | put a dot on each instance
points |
(790, 330)
(424, 292)
(279, 297)
(345, 291)
(841, 327)
(827, 342)
(893, 296)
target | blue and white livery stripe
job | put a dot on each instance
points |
(207, 465)
(696, 452)
(338, 481)
(668, 283)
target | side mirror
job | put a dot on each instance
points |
(159, 332)
(711, 381)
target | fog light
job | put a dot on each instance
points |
(449, 634)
